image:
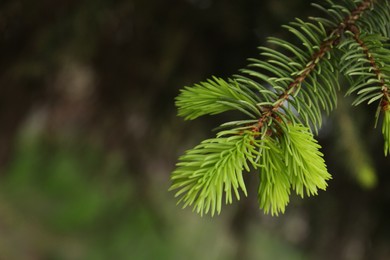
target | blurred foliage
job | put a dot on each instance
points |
(72, 203)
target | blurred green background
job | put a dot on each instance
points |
(89, 136)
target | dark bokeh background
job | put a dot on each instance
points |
(89, 136)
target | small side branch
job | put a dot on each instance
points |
(385, 100)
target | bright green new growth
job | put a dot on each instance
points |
(213, 168)
(274, 188)
(305, 160)
(386, 131)
(214, 97)
(282, 97)
(301, 168)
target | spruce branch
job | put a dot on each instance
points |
(283, 96)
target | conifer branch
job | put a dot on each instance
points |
(284, 94)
